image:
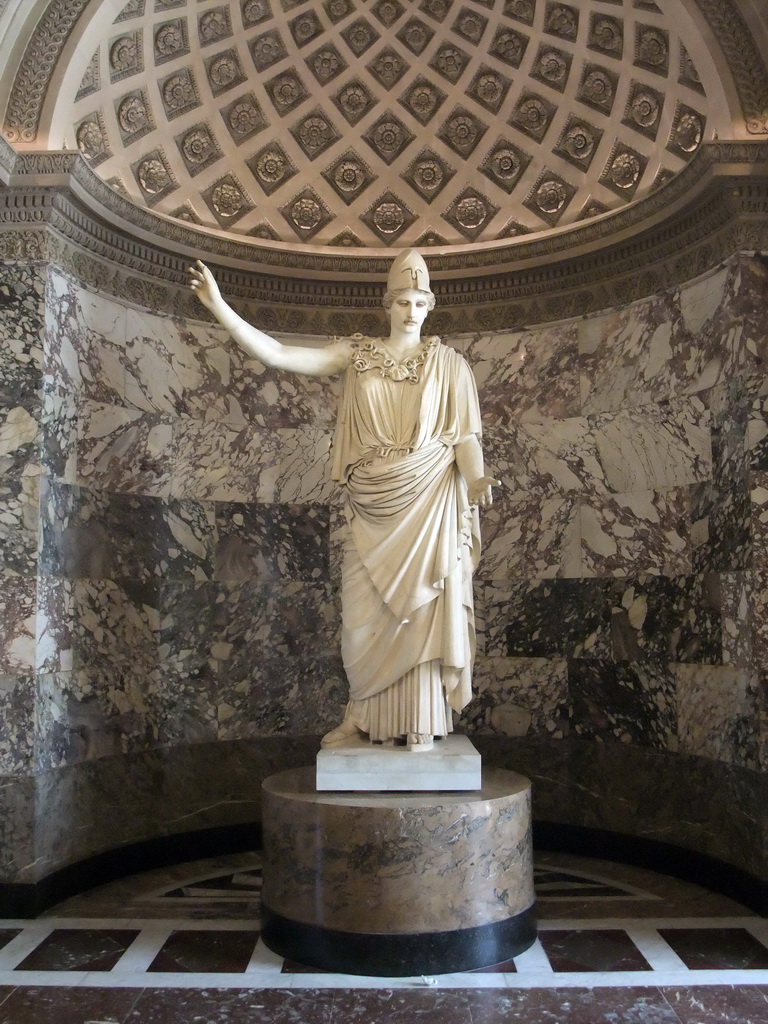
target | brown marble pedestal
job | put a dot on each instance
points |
(397, 884)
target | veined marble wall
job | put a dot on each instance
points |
(171, 611)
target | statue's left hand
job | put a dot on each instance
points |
(480, 493)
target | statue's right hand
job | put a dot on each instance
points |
(202, 283)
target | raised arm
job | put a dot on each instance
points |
(316, 362)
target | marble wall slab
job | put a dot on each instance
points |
(632, 703)
(526, 376)
(717, 711)
(185, 594)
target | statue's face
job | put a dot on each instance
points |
(409, 311)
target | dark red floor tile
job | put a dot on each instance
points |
(570, 1006)
(57, 1005)
(401, 1006)
(605, 949)
(6, 934)
(719, 1004)
(79, 949)
(232, 1006)
(203, 952)
(708, 949)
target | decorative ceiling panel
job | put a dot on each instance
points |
(363, 124)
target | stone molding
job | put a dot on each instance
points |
(749, 70)
(25, 107)
(56, 208)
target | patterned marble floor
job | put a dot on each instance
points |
(616, 944)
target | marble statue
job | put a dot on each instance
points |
(407, 452)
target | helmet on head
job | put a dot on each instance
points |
(409, 270)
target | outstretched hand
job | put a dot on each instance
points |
(202, 283)
(480, 493)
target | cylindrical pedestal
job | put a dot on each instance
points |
(394, 884)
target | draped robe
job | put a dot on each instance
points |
(408, 635)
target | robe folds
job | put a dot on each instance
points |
(408, 635)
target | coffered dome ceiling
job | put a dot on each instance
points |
(372, 123)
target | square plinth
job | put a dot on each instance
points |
(359, 766)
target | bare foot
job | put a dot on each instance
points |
(419, 741)
(342, 732)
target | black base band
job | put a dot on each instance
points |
(402, 955)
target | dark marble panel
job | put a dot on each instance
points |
(759, 517)
(632, 1005)
(518, 696)
(625, 702)
(526, 376)
(534, 538)
(96, 534)
(79, 949)
(598, 949)
(759, 596)
(718, 713)
(757, 436)
(737, 619)
(234, 1006)
(19, 502)
(204, 952)
(533, 619)
(703, 949)
(294, 695)
(78, 1005)
(235, 623)
(17, 827)
(722, 535)
(17, 715)
(116, 624)
(677, 619)
(85, 715)
(719, 1004)
(270, 542)
(18, 606)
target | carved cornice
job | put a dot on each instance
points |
(103, 240)
(749, 70)
(40, 58)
